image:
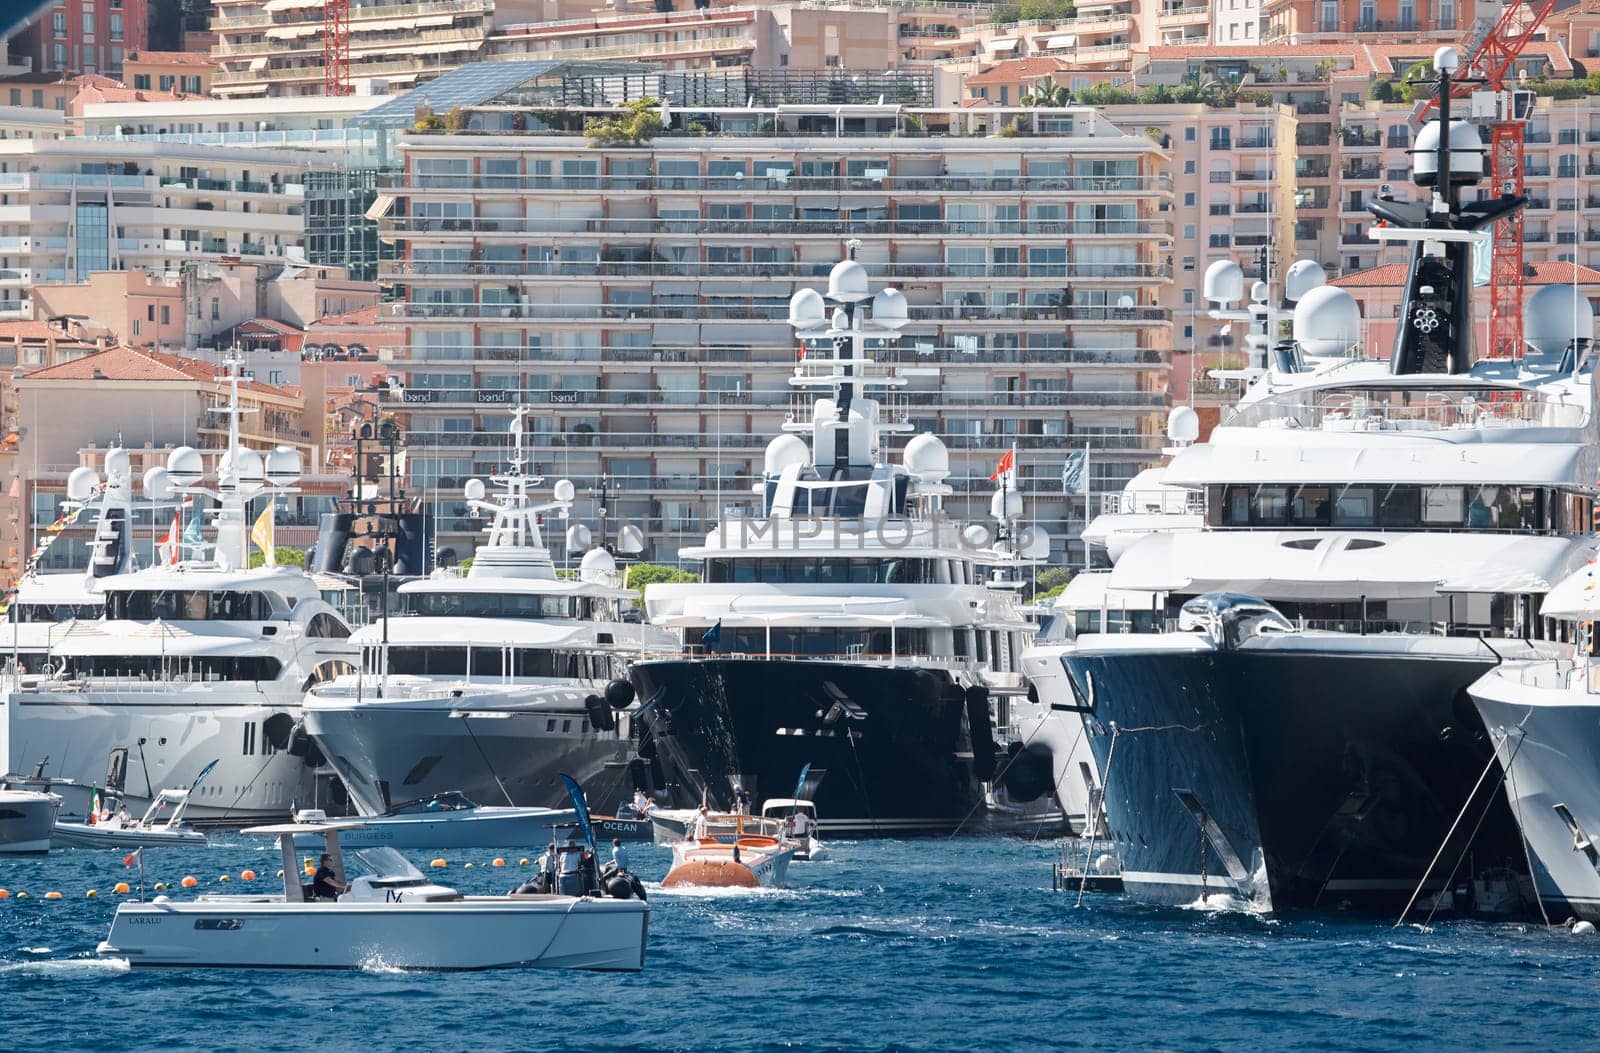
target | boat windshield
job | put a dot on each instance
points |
(454, 801)
(188, 605)
(386, 864)
(1406, 408)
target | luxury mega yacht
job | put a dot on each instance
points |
(193, 661)
(848, 629)
(1376, 537)
(494, 682)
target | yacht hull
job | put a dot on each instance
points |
(505, 747)
(1548, 743)
(889, 747)
(26, 820)
(472, 933)
(1290, 774)
(164, 735)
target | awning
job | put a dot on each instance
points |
(257, 65)
(274, 6)
(1003, 44)
(380, 206)
(290, 32)
(1325, 565)
(1067, 40)
(1371, 459)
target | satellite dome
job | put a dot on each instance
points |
(807, 310)
(157, 484)
(81, 483)
(282, 465)
(473, 490)
(1557, 315)
(248, 467)
(564, 491)
(1005, 504)
(579, 537)
(1183, 424)
(118, 464)
(1466, 154)
(185, 466)
(1327, 321)
(927, 458)
(847, 282)
(784, 451)
(889, 309)
(597, 565)
(630, 539)
(1301, 277)
(1224, 282)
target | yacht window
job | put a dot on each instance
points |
(744, 570)
(187, 605)
(863, 571)
(1400, 506)
(771, 571)
(1356, 506)
(327, 626)
(158, 667)
(480, 605)
(1088, 621)
(1237, 505)
(1442, 505)
(1310, 507)
(1270, 505)
(803, 570)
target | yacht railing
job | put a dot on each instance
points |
(1561, 675)
(1354, 411)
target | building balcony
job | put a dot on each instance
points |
(1183, 15)
(788, 271)
(1356, 139)
(414, 185)
(776, 310)
(411, 226)
(313, 16)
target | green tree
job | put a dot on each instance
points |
(287, 557)
(641, 574)
(1048, 94)
(640, 124)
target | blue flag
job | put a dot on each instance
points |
(712, 636)
(800, 783)
(191, 533)
(580, 804)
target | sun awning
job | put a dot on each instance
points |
(274, 6)
(1323, 565)
(1066, 40)
(1003, 44)
(290, 32)
(380, 206)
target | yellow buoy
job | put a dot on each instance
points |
(189, 881)
(280, 872)
(469, 866)
(224, 877)
(120, 888)
(498, 862)
(160, 886)
(52, 894)
(522, 862)
(247, 875)
(91, 894)
(22, 895)
(437, 864)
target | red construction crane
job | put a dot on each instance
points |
(1491, 59)
(336, 47)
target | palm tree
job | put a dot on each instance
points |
(1047, 94)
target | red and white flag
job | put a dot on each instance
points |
(1008, 463)
(168, 547)
(132, 857)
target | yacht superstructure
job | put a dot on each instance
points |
(494, 682)
(1377, 535)
(848, 629)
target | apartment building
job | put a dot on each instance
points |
(1309, 21)
(70, 207)
(274, 47)
(81, 36)
(637, 298)
(184, 72)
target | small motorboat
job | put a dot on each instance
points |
(26, 819)
(750, 861)
(1087, 864)
(392, 916)
(672, 825)
(625, 825)
(803, 831)
(152, 830)
(454, 820)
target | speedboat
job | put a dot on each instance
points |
(151, 830)
(1543, 718)
(672, 825)
(392, 916)
(454, 820)
(748, 861)
(26, 819)
(784, 809)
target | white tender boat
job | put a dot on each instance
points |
(26, 817)
(750, 861)
(391, 917)
(151, 830)
(788, 810)
(454, 820)
(672, 825)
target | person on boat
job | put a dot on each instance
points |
(124, 820)
(547, 868)
(619, 854)
(324, 884)
(642, 805)
(802, 825)
(741, 801)
(697, 827)
(571, 862)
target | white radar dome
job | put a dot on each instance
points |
(597, 565)
(564, 491)
(248, 467)
(118, 464)
(1327, 321)
(1301, 277)
(1005, 504)
(927, 458)
(157, 485)
(1224, 282)
(847, 282)
(282, 465)
(81, 483)
(1556, 316)
(185, 466)
(1183, 424)
(630, 539)
(474, 490)
(1466, 154)
(889, 308)
(784, 451)
(578, 537)
(807, 310)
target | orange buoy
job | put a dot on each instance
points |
(189, 881)
(720, 873)
(247, 875)
(437, 864)
(5, 893)
(498, 862)
(52, 895)
(121, 888)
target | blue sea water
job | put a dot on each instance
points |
(916, 945)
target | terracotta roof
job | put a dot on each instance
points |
(169, 58)
(1393, 276)
(29, 330)
(1033, 68)
(364, 316)
(139, 365)
(120, 93)
(271, 325)
(97, 80)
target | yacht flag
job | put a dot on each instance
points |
(1008, 463)
(168, 548)
(191, 532)
(261, 534)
